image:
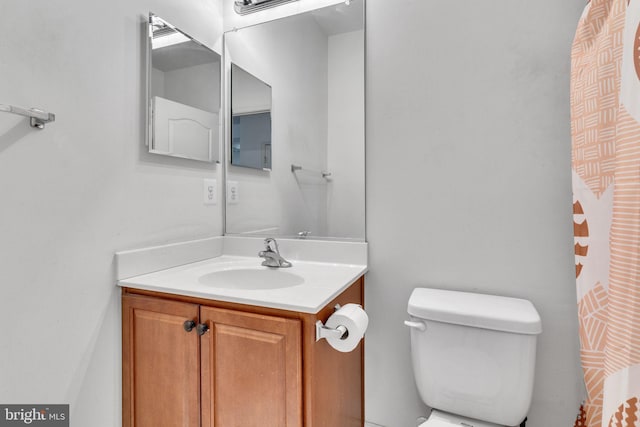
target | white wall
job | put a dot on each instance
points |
(468, 181)
(345, 141)
(290, 56)
(250, 94)
(81, 189)
(197, 86)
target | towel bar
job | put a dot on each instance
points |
(38, 117)
(295, 168)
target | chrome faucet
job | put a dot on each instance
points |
(272, 258)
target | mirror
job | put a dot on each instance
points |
(313, 65)
(250, 120)
(183, 86)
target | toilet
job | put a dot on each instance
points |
(473, 356)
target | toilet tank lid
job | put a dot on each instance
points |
(475, 310)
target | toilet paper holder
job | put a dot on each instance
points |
(322, 331)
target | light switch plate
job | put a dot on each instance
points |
(210, 191)
(232, 192)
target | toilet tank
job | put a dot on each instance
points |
(474, 355)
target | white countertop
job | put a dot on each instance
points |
(322, 281)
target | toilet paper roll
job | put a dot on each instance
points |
(355, 319)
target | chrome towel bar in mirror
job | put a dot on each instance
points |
(295, 168)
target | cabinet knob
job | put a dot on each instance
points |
(202, 328)
(188, 325)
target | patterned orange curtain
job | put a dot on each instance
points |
(605, 125)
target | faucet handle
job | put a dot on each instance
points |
(267, 244)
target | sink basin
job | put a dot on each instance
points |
(306, 287)
(251, 279)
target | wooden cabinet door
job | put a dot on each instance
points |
(160, 364)
(251, 370)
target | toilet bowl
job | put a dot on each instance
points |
(473, 356)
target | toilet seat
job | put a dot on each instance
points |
(444, 419)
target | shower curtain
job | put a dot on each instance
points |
(605, 124)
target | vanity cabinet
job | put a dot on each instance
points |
(161, 382)
(251, 369)
(251, 366)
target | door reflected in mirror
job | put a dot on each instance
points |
(250, 120)
(313, 66)
(183, 94)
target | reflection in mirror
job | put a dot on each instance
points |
(314, 64)
(184, 94)
(250, 120)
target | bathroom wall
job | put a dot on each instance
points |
(197, 86)
(468, 186)
(345, 143)
(81, 189)
(250, 94)
(468, 181)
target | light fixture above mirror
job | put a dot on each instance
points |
(243, 7)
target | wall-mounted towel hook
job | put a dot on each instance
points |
(38, 117)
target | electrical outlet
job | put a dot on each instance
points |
(232, 192)
(210, 191)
